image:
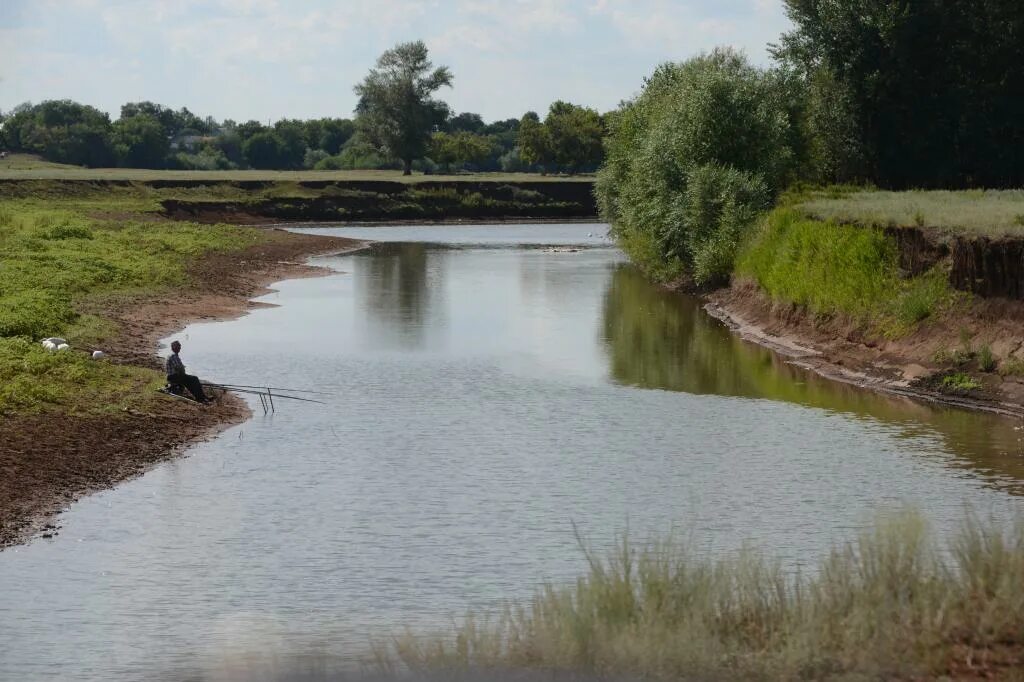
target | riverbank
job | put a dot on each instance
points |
(883, 290)
(97, 268)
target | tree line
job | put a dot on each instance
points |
(398, 124)
(894, 93)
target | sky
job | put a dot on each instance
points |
(272, 59)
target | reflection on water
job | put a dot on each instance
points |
(397, 287)
(483, 400)
(659, 339)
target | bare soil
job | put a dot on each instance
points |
(49, 460)
(913, 365)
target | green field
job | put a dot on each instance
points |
(992, 213)
(26, 167)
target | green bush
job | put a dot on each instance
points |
(715, 121)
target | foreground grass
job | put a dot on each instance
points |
(836, 269)
(54, 260)
(974, 212)
(891, 605)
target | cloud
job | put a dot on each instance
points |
(265, 59)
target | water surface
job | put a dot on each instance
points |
(484, 397)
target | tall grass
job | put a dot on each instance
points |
(890, 605)
(838, 269)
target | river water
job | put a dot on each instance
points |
(487, 393)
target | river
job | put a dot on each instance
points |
(487, 392)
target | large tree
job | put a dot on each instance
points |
(396, 110)
(922, 93)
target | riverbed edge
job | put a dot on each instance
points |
(747, 314)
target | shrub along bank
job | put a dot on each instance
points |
(692, 161)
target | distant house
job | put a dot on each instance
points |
(189, 141)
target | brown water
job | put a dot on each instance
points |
(485, 397)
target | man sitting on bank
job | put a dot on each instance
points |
(177, 378)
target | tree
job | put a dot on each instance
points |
(334, 133)
(919, 94)
(173, 122)
(535, 145)
(62, 131)
(575, 135)
(470, 123)
(460, 147)
(692, 160)
(396, 110)
(266, 150)
(292, 134)
(139, 142)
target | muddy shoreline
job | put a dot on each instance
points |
(50, 460)
(838, 353)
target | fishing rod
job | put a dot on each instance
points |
(271, 388)
(264, 392)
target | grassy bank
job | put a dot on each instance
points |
(892, 605)
(56, 260)
(837, 269)
(990, 213)
(27, 167)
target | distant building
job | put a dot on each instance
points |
(190, 142)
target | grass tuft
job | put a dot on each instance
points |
(890, 605)
(960, 381)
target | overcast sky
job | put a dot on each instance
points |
(270, 59)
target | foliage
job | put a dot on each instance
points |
(960, 381)
(569, 138)
(921, 94)
(891, 605)
(32, 379)
(714, 119)
(173, 122)
(140, 142)
(61, 131)
(535, 146)
(834, 269)
(209, 158)
(266, 150)
(576, 134)
(463, 148)
(396, 110)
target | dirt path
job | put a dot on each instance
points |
(48, 461)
